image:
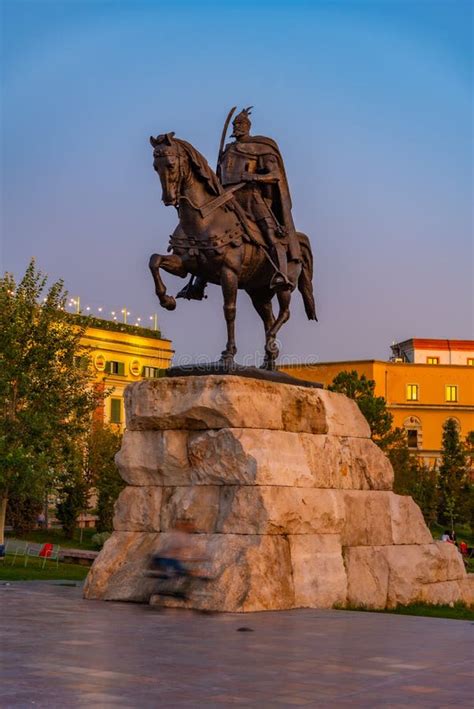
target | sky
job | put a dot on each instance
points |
(369, 101)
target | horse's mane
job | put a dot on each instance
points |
(200, 165)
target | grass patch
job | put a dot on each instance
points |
(457, 612)
(463, 532)
(56, 536)
(34, 572)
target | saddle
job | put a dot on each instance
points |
(248, 231)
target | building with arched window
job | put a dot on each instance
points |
(121, 354)
(421, 388)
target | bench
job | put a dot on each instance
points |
(15, 549)
(42, 551)
(83, 557)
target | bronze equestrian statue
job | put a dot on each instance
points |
(235, 229)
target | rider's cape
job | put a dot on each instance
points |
(277, 195)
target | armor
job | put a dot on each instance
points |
(235, 163)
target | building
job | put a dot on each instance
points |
(422, 351)
(121, 354)
(424, 383)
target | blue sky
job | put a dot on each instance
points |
(370, 102)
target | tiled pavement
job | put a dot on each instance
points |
(61, 651)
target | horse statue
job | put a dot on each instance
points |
(216, 242)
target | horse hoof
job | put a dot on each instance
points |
(227, 359)
(168, 302)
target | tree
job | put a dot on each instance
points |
(72, 488)
(411, 477)
(22, 513)
(103, 444)
(45, 399)
(470, 449)
(374, 408)
(454, 483)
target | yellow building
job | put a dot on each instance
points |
(421, 388)
(122, 354)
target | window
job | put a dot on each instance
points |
(470, 361)
(414, 432)
(412, 392)
(412, 438)
(451, 392)
(151, 372)
(115, 410)
(115, 368)
(432, 360)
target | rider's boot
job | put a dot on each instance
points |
(194, 289)
(280, 280)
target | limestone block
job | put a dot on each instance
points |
(441, 593)
(237, 456)
(247, 573)
(347, 463)
(319, 575)
(118, 573)
(450, 560)
(280, 510)
(367, 576)
(154, 458)
(377, 518)
(198, 504)
(367, 518)
(408, 524)
(466, 586)
(412, 566)
(138, 509)
(214, 402)
(343, 416)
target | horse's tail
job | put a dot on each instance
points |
(305, 282)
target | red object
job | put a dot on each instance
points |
(46, 550)
(463, 548)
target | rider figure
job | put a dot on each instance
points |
(264, 198)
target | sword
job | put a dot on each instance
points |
(221, 199)
(221, 146)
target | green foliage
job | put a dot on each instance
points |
(458, 611)
(22, 513)
(72, 501)
(411, 477)
(103, 443)
(46, 400)
(114, 326)
(374, 408)
(99, 539)
(35, 572)
(456, 490)
(57, 536)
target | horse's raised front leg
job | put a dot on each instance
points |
(171, 263)
(229, 283)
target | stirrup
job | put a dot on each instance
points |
(191, 292)
(280, 282)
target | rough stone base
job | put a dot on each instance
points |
(290, 501)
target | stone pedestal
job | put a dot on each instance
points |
(290, 500)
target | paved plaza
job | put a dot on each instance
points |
(61, 651)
